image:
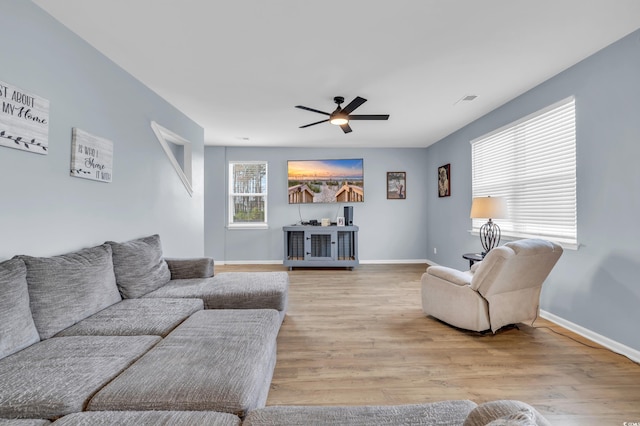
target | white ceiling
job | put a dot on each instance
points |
(238, 68)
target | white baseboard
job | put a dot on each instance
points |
(392, 261)
(249, 262)
(610, 344)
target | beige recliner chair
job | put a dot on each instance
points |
(503, 289)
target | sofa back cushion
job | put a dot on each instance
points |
(17, 329)
(68, 288)
(139, 266)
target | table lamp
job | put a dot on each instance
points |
(489, 208)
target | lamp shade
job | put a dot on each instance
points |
(488, 208)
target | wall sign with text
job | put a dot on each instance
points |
(91, 156)
(24, 120)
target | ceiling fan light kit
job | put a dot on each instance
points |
(342, 116)
(339, 119)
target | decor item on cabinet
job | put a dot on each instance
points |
(325, 181)
(341, 116)
(444, 180)
(24, 120)
(396, 185)
(348, 215)
(340, 221)
(489, 208)
(91, 156)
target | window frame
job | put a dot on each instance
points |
(508, 168)
(231, 194)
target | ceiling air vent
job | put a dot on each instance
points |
(465, 98)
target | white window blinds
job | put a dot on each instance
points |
(532, 164)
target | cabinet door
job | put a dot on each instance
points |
(346, 247)
(320, 245)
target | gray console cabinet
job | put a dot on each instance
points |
(320, 246)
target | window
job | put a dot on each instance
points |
(248, 194)
(532, 164)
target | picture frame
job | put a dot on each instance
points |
(396, 185)
(340, 221)
(444, 180)
(325, 181)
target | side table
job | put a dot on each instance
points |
(473, 258)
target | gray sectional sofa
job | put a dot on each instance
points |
(118, 335)
(118, 327)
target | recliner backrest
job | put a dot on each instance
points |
(515, 266)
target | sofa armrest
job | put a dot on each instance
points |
(451, 275)
(181, 269)
(494, 411)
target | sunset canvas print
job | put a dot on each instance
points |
(325, 181)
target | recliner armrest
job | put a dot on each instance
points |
(181, 269)
(449, 274)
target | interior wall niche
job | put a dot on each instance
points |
(178, 151)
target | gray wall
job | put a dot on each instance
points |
(597, 286)
(43, 210)
(390, 230)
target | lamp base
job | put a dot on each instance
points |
(489, 236)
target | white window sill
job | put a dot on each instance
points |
(565, 245)
(243, 226)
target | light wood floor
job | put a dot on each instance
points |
(360, 337)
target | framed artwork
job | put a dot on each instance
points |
(444, 180)
(396, 185)
(24, 120)
(340, 221)
(91, 156)
(325, 181)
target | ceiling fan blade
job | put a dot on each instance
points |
(354, 104)
(345, 128)
(369, 117)
(312, 110)
(313, 124)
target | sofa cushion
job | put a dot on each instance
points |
(503, 411)
(58, 376)
(17, 329)
(217, 360)
(233, 290)
(68, 288)
(149, 418)
(139, 266)
(436, 413)
(136, 317)
(24, 422)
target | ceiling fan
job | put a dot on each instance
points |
(342, 116)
